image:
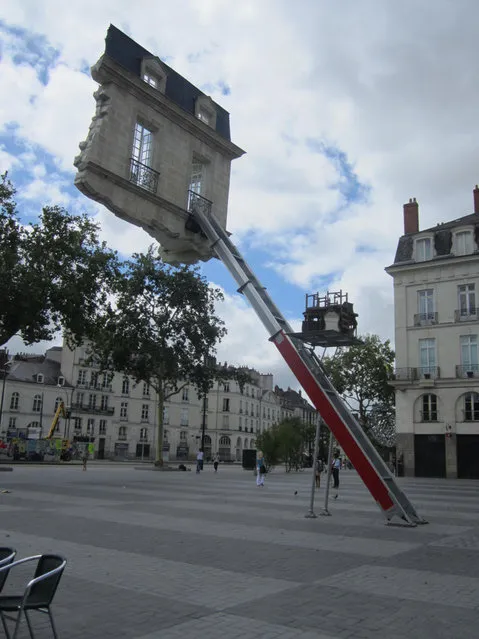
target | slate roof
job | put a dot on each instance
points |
(442, 238)
(129, 55)
(26, 370)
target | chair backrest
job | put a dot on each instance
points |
(42, 592)
(7, 555)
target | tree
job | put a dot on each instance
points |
(285, 442)
(55, 274)
(361, 375)
(160, 329)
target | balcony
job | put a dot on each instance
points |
(143, 176)
(403, 375)
(428, 372)
(425, 319)
(467, 371)
(85, 408)
(196, 201)
(470, 314)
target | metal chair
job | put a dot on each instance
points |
(7, 555)
(38, 594)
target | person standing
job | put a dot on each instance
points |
(335, 469)
(199, 461)
(260, 469)
(216, 461)
(85, 457)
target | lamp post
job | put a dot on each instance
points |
(4, 376)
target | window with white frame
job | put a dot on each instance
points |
(427, 356)
(104, 402)
(226, 404)
(122, 432)
(467, 299)
(14, 399)
(94, 379)
(79, 397)
(183, 435)
(90, 426)
(145, 412)
(12, 422)
(124, 410)
(58, 401)
(425, 304)
(146, 390)
(37, 404)
(105, 382)
(125, 386)
(185, 394)
(429, 408)
(81, 380)
(184, 417)
(102, 427)
(40, 378)
(463, 243)
(144, 434)
(471, 407)
(142, 144)
(423, 249)
(469, 352)
(92, 401)
(197, 177)
(77, 423)
(226, 387)
(151, 79)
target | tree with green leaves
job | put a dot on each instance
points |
(54, 273)
(161, 328)
(285, 442)
(361, 375)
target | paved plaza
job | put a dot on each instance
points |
(171, 555)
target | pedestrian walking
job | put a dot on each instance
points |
(319, 467)
(260, 469)
(335, 469)
(85, 457)
(216, 461)
(199, 461)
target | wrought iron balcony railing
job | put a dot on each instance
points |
(198, 201)
(86, 408)
(428, 372)
(404, 375)
(470, 314)
(425, 319)
(467, 370)
(143, 176)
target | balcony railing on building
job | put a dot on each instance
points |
(428, 372)
(143, 176)
(87, 408)
(404, 375)
(467, 371)
(196, 201)
(425, 319)
(470, 314)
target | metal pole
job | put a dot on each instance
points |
(203, 426)
(325, 512)
(310, 514)
(4, 371)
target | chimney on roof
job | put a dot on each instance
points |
(411, 216)
(476, 200)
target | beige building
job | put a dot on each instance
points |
(156, 145)
(436, 281)
(122, 416)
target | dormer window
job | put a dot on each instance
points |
(153, 73)
(205, 110)
(463, 243)
(61, 381)
(423, 249)
(40, 378)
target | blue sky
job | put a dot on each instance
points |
(330, 105)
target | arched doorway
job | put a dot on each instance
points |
(239, 449)
(207, 448)
(224, 448)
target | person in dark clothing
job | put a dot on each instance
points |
(335, 470)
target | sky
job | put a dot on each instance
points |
(345, 109)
